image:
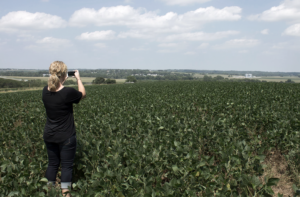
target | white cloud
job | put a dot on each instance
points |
(203, 46)
(265, 32)
(147, 21)
(288, 10)
(97, 35)
(201, 36)
(50, 43)
(238, 43)
(293, 30)
(212, 14)
(243, 43)
(22, 20)
(119, 15)
(100, 45)
(135, 34)
(54, 41)
(184, 2)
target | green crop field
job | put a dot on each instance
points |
(161, 139)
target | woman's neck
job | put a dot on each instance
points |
(60, 87)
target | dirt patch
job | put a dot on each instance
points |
(17, 123)
(277, 167)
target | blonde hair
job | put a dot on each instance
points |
(57, 70)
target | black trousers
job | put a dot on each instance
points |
(61, 153)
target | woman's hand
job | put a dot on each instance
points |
(80, 85)
(76, 75)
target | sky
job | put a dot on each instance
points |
(240, 35)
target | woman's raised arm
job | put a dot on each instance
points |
(80, 85)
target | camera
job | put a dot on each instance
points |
(71, 73)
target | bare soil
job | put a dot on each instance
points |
(277, 167)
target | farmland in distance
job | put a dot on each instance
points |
(185, 138)
(84, 79)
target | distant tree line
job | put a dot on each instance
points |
(166, 77)
(220, 78)
(25, 73)
(108, 73)
(9, 83)
(239, 73)
(101, 80)
(148, 74)
(210, 78)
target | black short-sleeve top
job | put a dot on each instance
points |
(59, 109)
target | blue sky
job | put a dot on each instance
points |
(154, 34)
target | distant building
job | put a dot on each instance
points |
(46, 75)
(248, 75)
(153, 75)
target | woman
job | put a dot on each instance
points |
(59, 132)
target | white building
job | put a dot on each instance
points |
(46, 75)
(248, 75)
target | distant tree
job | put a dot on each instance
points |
(171, 77)
(8, 83)
(69, 82)
(36, 83)
(219, 78)
(99, 80)
(187, 78)
(159, 77)
(289, 81)
(131, 79)
(207, 78)
(110, 81)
